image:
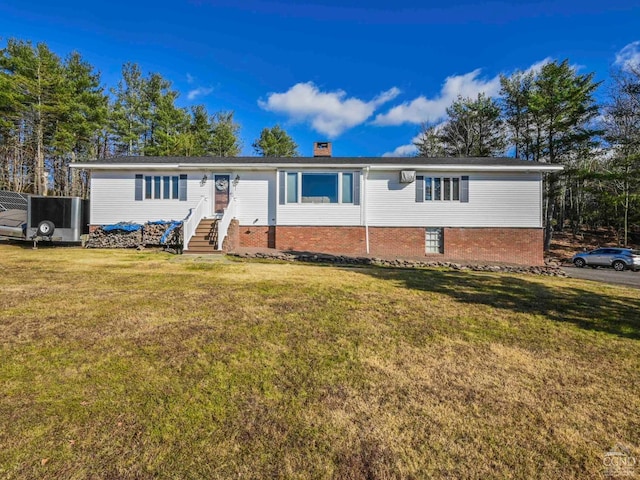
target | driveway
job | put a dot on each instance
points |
(605, 275)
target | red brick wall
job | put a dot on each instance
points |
(338, 240)
(505, 245)
(508, 245)
(258, 237)
(400, 241)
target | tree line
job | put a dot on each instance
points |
(551, 116)
(55, 111)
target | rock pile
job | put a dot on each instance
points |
(149, 234)
(548, 270)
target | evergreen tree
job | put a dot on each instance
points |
(515, 93)
(83, 115)
(563, 108)
(224, 133)
(129, 112)
(275, 142)
(474, 128)
(33, 76)
(429, 142)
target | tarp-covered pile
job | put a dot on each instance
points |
(132, 235)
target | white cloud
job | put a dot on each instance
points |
(423, 109)
(330, 113)
(199, 92)
(535, 68)
(402, 151)
(190, 78)
(410, 149)
(629, 56)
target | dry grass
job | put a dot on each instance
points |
(118, 364)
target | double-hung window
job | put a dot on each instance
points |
(160, 187)
(442, 189)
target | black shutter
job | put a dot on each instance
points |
(356, 188)
(283, 187)
(182, 188)
(464, 189)
(420, 188)
(138, 188)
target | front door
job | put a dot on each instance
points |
(221, 186)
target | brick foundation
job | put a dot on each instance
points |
(397, 241)
(522, 246)
(257, 237)
(339, 240)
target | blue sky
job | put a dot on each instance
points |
(363, 77)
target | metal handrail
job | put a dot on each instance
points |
(192, 221)
(223, 227)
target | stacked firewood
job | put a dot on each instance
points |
(149, 234)
(100, 238)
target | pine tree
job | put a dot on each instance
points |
(34, 78)
(429, 142)
(562, 106)
(474, 128)
(275, 142)
(224, 141)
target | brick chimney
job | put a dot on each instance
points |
(322, 149)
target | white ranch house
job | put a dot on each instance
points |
(475, 209)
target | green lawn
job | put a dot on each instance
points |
(121, 364)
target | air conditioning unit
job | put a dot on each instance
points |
(407, 176)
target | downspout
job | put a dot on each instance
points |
(364, 206)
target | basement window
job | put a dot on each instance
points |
(433, 240)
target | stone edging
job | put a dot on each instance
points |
(547, 270)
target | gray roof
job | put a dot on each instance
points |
(479, 161)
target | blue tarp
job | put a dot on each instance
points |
(170, 229)
(134, 227)
(125, 227)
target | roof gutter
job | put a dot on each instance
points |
(274, 166)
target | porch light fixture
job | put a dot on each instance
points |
(204, 180)
(236, 180)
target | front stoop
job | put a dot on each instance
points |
(205, 238)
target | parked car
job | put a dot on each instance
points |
(618, 258)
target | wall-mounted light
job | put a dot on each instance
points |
(236, 180)
(204, 180)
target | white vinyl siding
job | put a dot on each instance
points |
(495, 200)
(113, 198)
(256, 197)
